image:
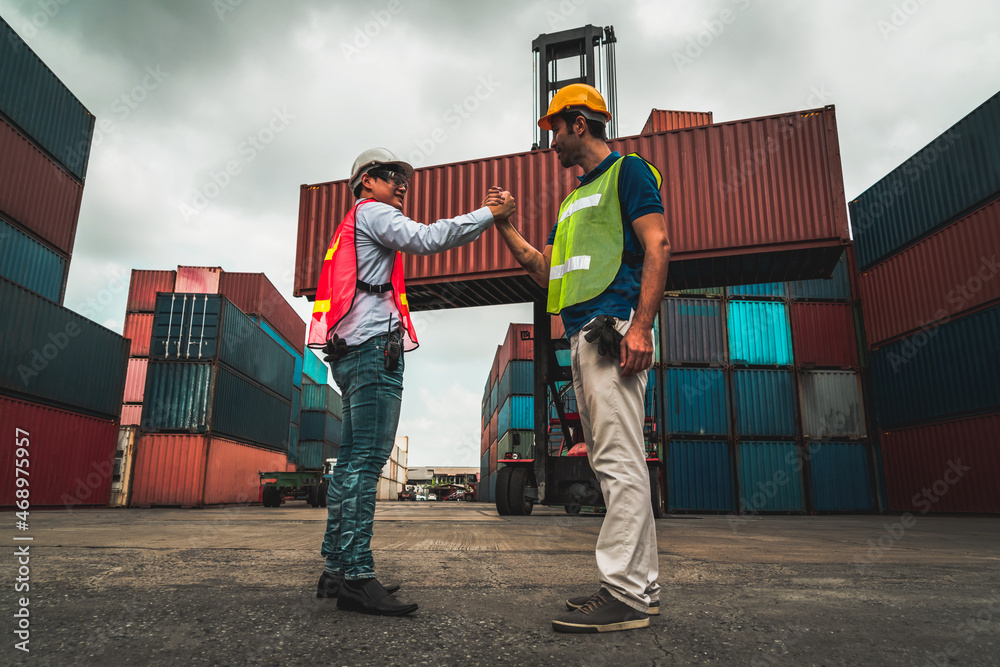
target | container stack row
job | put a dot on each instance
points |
(928, 241)
(393, 477)
(213, 386)
(320, 427)
(61, 375)
(762, 401)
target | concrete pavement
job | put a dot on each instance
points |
(236, 586)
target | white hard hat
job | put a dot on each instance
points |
(376, 157)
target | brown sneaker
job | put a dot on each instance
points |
(601, 613)
(577, 602)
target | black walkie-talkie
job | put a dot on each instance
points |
(393, 348)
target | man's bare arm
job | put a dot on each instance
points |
(637, 346)
(534, 262)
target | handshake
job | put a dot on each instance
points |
(501, 203)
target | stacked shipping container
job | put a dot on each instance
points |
(210, 382)
(392, 479)
(61, 376)
(928, 239)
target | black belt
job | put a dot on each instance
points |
(374, 289)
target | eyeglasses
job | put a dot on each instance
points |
(394, 177)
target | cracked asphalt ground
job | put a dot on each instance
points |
(236, 585)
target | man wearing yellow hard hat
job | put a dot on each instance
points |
(605, 267)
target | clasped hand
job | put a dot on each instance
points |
(500, 202)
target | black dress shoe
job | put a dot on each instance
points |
(367, 596)
(329, 585)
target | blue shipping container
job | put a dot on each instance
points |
(277, 338)
(516, 413)
(34, 98)
(31, 264)
(312, 454)
(293, 443)
(759, 333)
(837, 287)
(518, 379)
(949, 371)
(700, 476)
(770, 477)
(697, 401)
(841, 476)
(765, 402)
(322, 397)
(314, 368)
(320, 426)
(951, 176)
(296, 405)
(760, 289)
(203, 327)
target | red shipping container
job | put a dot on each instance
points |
(231, 471)
(131, 415)
(493, 457)
(70, 457)
(493, 428)
(484, 439)
(495, 370)
(254, 294)
(823, 335)
(169, 470)
(139, 330)
(661, 120)
(144, 286)
(36, 193)
(760, 199)
(198, 279)
(950, 272)
(946, 467)
(135, 380)
(518, 344)
(558, 330)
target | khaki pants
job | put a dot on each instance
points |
(611, 410)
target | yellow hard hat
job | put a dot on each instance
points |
(576, 97)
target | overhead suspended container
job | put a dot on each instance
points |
(755, 200)
(837, 287)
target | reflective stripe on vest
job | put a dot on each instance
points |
(589, 243)
(338, 284)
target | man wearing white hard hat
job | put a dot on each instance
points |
(361, 320)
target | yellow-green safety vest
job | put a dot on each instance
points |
(587, 251)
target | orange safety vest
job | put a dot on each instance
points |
(338, 283)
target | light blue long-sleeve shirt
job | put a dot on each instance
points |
(381, 230)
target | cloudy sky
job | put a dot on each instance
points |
(292, 91)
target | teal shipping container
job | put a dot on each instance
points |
(280, 340)
(322, 398)
(764, 402)
(209, 398)
(841, 477)
(320, 426)
(761, 289)
(697, 401)
(296, 405)
(312, 454)
(313, 367)
(759, 333)
(293, 443)
(835, 288)
(31, 264)
(517, 413)
(518, 379)
(205, 327)
(52, 355)
(943, 181)
(700, 477)
(34, 98)
(770, 477)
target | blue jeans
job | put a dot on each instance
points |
(372, 396)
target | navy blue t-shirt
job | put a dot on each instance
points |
(638, 195)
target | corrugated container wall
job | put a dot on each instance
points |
(313, 367)
(198, 279)
(691, 331)
(951, 176)
(519, 343)
(254, 294)
(831, 404)
(837, 287)
(135, 380)
(700, 476)
(759, 333)
(841, 477)
(765, 402)
(71, 456)
(950, 371)
(718, 216)
(35, 193)
(770, 479)
(144, 286)
(31, 264)
(231, 471)
(823, 334)
(950, 272)
(50, 353)
(662, 120)
(280, 340)
(169, 470)
(697, 401)
(947, 467)
(139, 330)
(42, 106)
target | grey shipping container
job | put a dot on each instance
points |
(949, 177)
(31, 264)
(35, 100)
(204, 327)
(209, 398)
(50, 353)
(691, 331)
(831, 404)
